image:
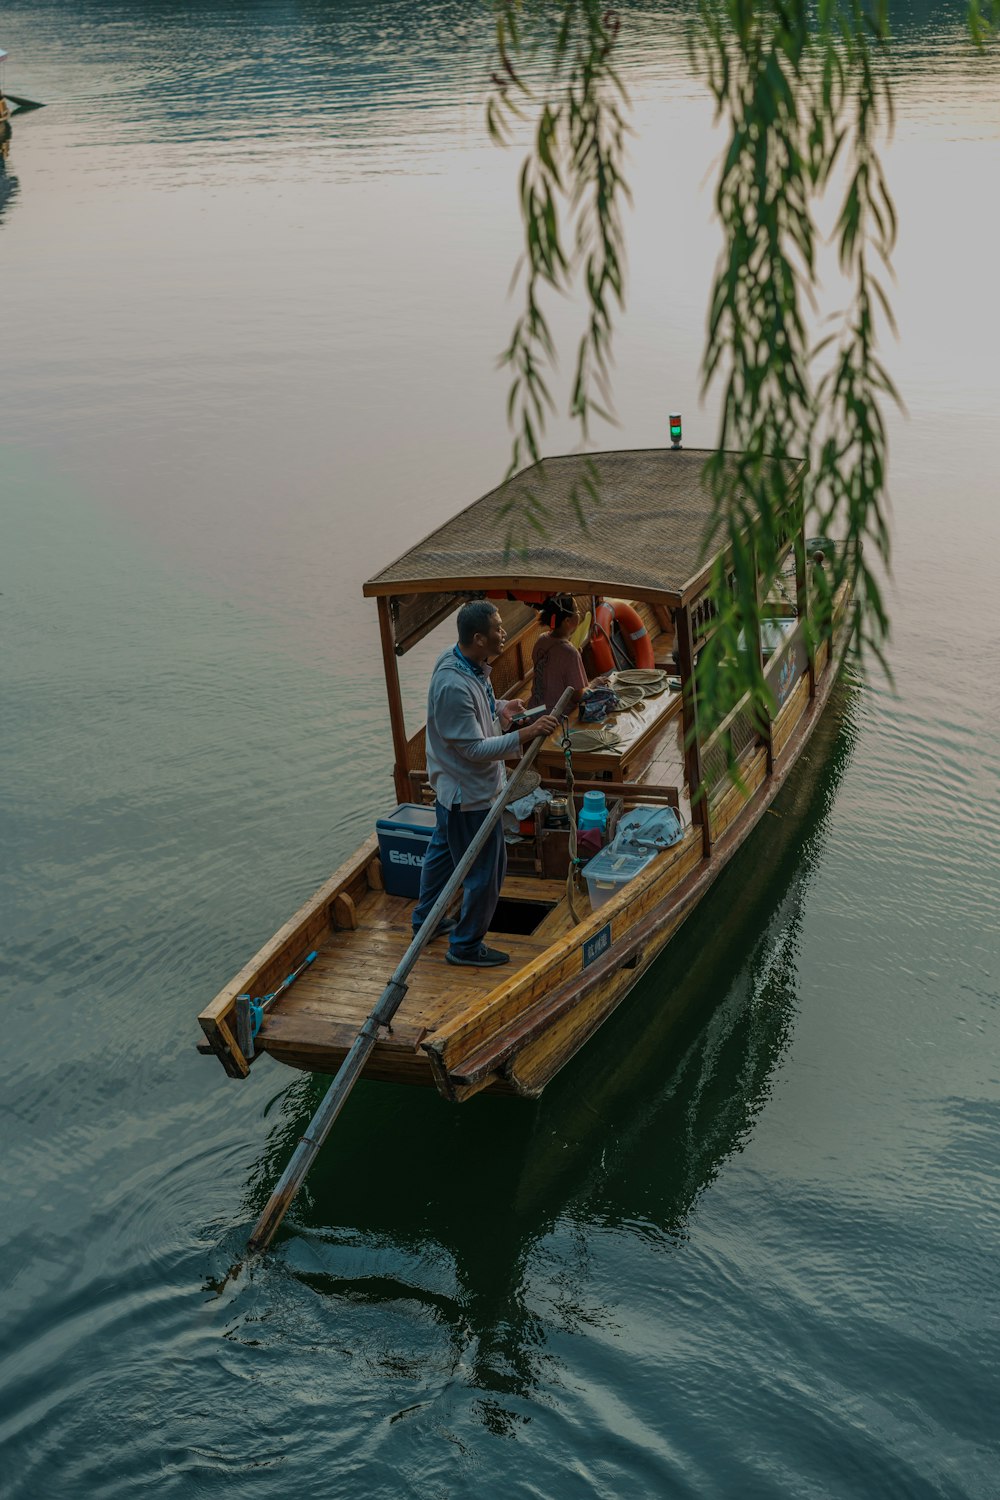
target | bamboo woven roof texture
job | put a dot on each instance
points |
(644, 534)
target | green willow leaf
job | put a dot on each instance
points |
(801, 89)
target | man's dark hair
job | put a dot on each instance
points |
(475, 618)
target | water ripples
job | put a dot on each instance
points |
(743, 1245)
(382, 74)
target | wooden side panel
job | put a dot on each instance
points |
(840, 604)
(471, 1028)
(790, 714)
(732, 802)
(537, 1063)
(314, 1044)
(319, 1044)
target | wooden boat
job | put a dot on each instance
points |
(511, 1029)
(11, 104)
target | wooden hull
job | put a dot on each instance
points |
(508, 1030)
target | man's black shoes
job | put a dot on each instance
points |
(485, 958)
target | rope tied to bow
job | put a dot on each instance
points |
(574, 858)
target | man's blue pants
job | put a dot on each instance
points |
(453, 833)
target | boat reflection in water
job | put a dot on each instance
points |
(9, 184)
(449, 1208)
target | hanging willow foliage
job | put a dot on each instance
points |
(574, 171)
(802, 93)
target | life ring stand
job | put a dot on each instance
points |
(608, 613)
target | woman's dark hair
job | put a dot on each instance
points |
(557, 607)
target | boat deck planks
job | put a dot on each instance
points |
(353, 965)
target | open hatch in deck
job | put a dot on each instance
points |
(322, 1013)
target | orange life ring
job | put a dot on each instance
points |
(637, 642)
(600, 640)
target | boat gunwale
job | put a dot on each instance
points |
(465, 1076)
(273, 956)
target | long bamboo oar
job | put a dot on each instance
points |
(392, 997)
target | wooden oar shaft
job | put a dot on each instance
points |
(389, 1002)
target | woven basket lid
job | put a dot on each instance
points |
(641, 677)
(628, 696)
(598, 737)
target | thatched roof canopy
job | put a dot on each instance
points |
(644, 536)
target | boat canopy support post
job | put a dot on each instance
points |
(764, 727)
(389, 1002)
(689, 711)
(802, 593)
(401, 768)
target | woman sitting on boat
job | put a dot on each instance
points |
(556, 661)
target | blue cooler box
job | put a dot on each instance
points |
(402, 843)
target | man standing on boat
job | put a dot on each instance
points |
(468, 739)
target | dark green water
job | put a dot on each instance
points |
(253, 266)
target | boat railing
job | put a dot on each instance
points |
(735, 739)
(789, 662)
(729, 745)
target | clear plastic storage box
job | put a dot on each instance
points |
(609, 870)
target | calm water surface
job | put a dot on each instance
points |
(253, 273)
